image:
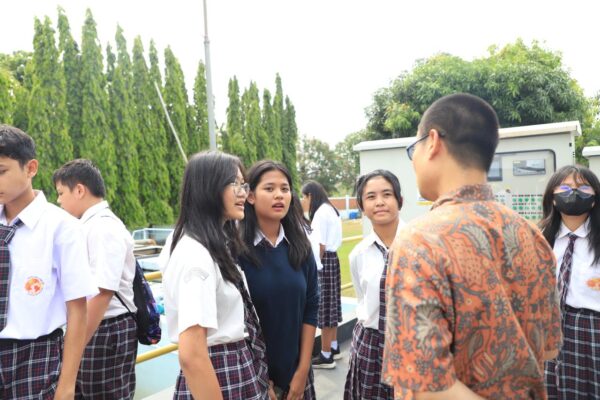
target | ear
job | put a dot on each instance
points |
(79, 191)
(435, 144)
(32, 168)
(251, 199)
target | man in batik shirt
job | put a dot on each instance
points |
(472, 305)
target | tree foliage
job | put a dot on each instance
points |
(526, 85)
(316, 161)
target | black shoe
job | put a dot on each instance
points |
(336, 353)
(320, 362)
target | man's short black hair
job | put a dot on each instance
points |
(16, 144)
(469, 126)
(81, 171)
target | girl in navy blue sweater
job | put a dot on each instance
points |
(282, 277)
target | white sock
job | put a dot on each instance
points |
(326, 354)
(334, 344)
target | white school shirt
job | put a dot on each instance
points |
(260, 236)
(49, 266)
(110, 252)
(197, 294)
(327, 227)
(584, 286)
(366, 268)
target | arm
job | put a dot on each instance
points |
(354, 274)
(196, 365)
(457, 391)
(73, 348)
(298, 383)
(96, 308)
(550, 355)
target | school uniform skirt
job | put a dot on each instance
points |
(575, 374)
(363, 381)
(30, 368)
(330, 282)
(235, 370)
(107, 369)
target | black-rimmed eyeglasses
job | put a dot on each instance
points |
(410, 150)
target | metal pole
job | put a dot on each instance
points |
(210, 103)
(171, 123)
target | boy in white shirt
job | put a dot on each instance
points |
(103, 374)
(44, 281)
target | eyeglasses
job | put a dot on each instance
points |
(410, 150)
(566, 190)
(238, 187)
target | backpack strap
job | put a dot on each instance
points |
(125, 305)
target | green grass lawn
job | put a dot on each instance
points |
(349, 228)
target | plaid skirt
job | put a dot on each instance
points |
(575, 374)
(107, 369)
(330, 282)
(29, 369)
(235, 372)
(309, 391)
(363, 381)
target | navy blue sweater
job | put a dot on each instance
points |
(284, 299)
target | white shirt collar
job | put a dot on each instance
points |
(581, 232)
(93, 210)
(374, 238)
(260, 236)
(31, 214)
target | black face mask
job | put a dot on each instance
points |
(575, 203)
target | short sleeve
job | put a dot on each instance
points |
(417, 353)
(71, 257)
(196, 291)
(107, 252)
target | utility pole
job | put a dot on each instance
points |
(209, 95)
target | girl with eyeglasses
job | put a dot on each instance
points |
(208, 309)
(327, 230)
(571, 224)
(282, 276)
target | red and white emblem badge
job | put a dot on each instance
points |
(34, 285)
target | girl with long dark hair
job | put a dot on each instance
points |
(380, 200)
(282, 276)
(207, 305)
(571, 224)
(327, 229)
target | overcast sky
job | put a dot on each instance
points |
(332, 55)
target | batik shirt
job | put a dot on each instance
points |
(471, 295)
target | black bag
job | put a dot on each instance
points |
(147, 316)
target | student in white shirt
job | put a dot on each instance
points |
(327, 228)
(103, 374)
(206, 300)
(47, 283)
(379, 198)
(571, 224)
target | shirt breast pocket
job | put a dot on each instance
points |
(33, 282)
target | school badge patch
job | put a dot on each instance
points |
(34, 285)
(594, 283)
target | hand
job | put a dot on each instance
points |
(297, 386)
(62, 393)
(272, 395)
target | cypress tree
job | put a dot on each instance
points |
(71, 64)
(233, 142)
(20, 117)
(290, 133)
(97, 142)
(47, 111)
(252, 123)
(125, 129)
(176, 99)
(276, 135)
(154, 186)
(268, 123)
(200, 131)
(7, 101)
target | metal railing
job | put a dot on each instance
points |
(161, 351)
